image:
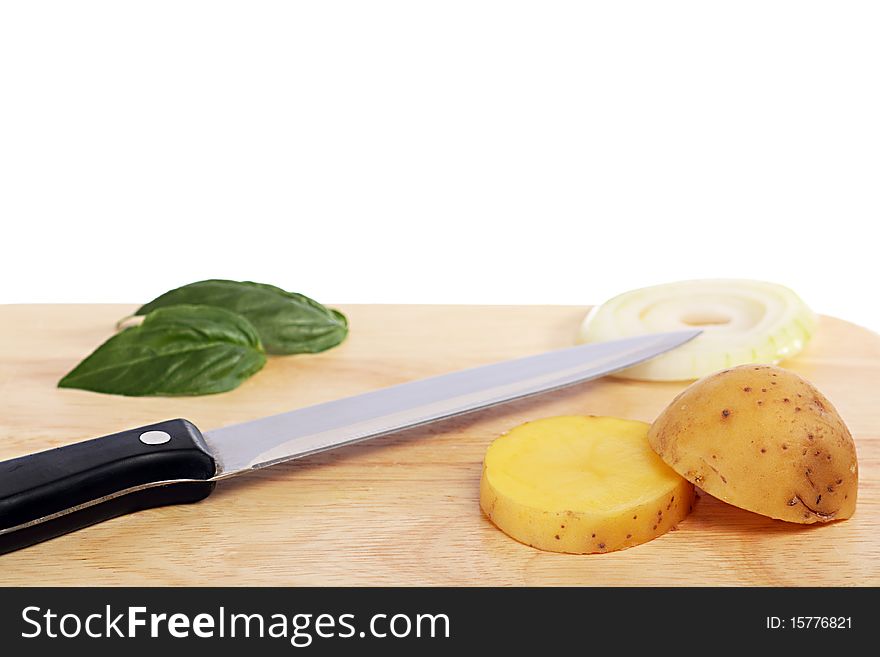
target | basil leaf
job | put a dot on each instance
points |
(179, 350)
(288, 323)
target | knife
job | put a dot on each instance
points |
(60, 490)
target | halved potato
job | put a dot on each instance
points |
(763, 439)
(581, 484)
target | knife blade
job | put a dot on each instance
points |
(49, 493)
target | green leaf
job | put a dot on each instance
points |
(179, 350)
(288, 323)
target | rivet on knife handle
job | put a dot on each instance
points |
(50, 493)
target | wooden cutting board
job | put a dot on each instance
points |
(403, 510)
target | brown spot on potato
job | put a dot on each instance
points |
(557, 537)
(808, 474)
(784, 446)
(819, 514)
(725, 413)
(629, 535)
(747, 389)
(786, 400)
(763, 450)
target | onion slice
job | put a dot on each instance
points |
(742, 321)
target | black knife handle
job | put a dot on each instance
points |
(59, 480)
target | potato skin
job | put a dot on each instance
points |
(764, 439)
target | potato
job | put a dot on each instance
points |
(581, 484)
(763, 439)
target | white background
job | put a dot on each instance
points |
(459, 152)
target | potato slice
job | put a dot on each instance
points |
(763, 439)
(581, 484)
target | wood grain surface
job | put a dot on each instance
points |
(403, 510)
